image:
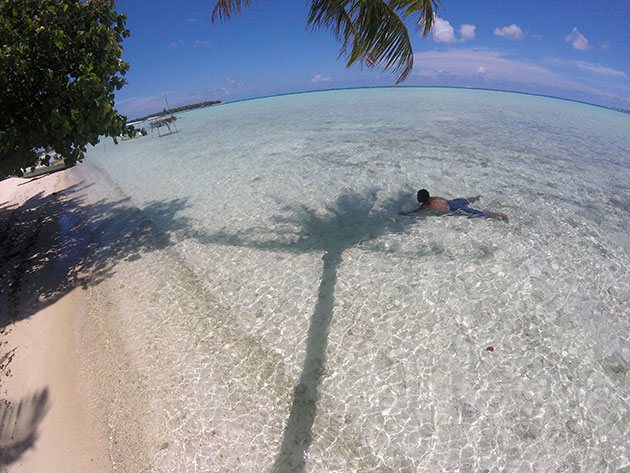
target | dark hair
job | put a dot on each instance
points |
(423, 196)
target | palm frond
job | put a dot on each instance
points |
(374, 31)
(426, 9)
(224, 9)
(382, 38)
(332, 15)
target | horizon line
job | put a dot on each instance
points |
(488, 89)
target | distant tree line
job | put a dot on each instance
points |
(190, 106)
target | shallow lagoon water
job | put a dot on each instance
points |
(284, 317)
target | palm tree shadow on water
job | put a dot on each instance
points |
(94, 237)
(353, 219)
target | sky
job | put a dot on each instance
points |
(573, 49)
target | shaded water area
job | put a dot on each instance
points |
(282, 315)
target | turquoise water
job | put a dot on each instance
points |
(285, 317)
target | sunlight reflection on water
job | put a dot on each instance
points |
(298, 323)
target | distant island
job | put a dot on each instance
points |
(182, 108)
(622, 110)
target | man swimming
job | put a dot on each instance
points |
(460, 206)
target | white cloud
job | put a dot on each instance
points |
(199, 43)
(606, 71)
(137, 105)
(443, 32)
(469, 62)
(319, 78)
(513, 32)
(467, 32)
(495, 68)
(428, 74)
(577, 40)
(232, 87)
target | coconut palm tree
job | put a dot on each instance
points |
(371, 32)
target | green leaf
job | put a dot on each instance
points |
(60, 61)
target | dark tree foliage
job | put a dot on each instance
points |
(60, 64)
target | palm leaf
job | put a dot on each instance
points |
(224, 9)
(382, 39)
(372, 32)
(426, 9)
(332, 15)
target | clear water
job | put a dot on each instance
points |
(284, 317)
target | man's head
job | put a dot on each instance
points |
(423, 196)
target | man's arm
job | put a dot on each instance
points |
(473, 199)
(410, 212)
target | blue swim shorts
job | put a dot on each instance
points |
(461, 206)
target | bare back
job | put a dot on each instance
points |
(437, 204)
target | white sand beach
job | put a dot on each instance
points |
(55, 430)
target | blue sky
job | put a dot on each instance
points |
(574, 49)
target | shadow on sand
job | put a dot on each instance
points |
(19, 422)
(352, 220)
(54, 243)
